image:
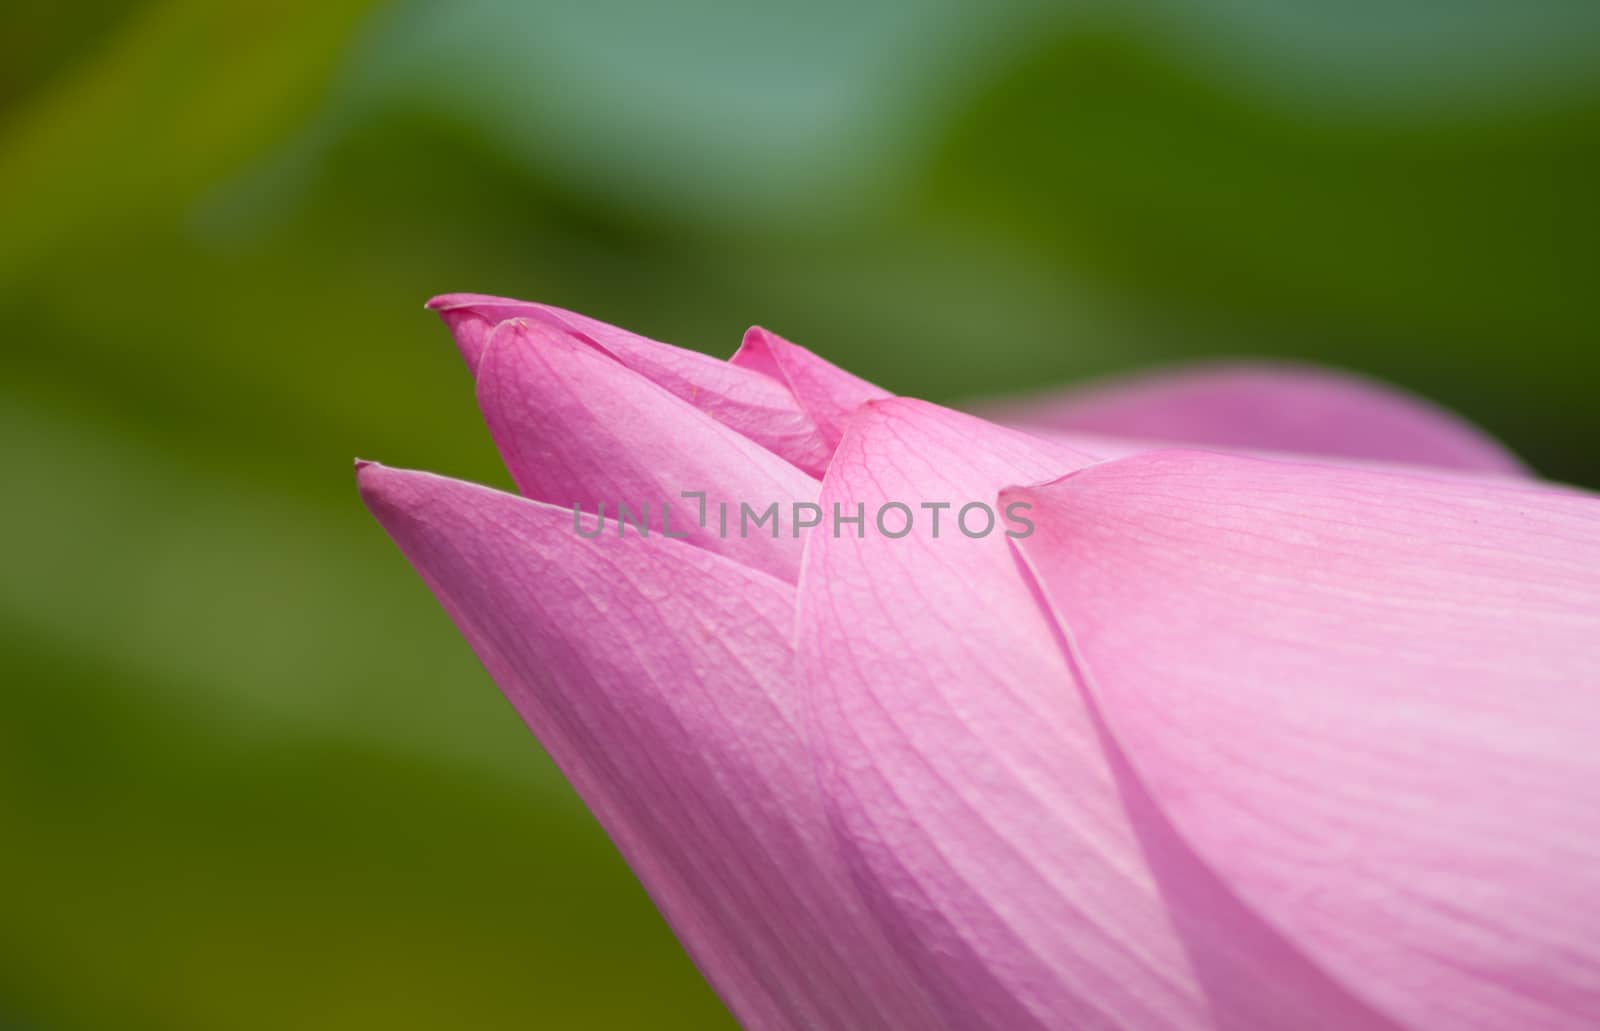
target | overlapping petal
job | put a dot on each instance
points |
(969, 789)
(1267, 407)
(749, 401)
(828, 394)
(1370, 702)
(659, 678)
(994, 826)
(1223, 743)
(576, 427)
(795, 404)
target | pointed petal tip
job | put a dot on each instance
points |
(755, 351)
(408, 501)
(373, 486)
(758, 337)
(370, 477)
(759, 352)
(471, 320)
(386, 491)
(451, 302)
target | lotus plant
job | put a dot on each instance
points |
(1243, 697)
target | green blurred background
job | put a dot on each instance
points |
(249, 775)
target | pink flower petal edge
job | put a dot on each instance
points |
(577, 428)
(795, 404)
(750, 401)
(827, 393)
(1368, 701)
(990, 825)
(659, 678)
(1266, 407)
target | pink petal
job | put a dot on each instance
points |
(658, 676)
(576, 427)
(827, 393)
(746, 400)
(1369, 701)
(1269, 408)
(978, 806)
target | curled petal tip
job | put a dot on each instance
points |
(445, 302)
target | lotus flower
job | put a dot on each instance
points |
(1276, 706)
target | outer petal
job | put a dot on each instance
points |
(576, 427)
(987, 823)
(748, 401)
(828, 394)
(1369, 701)
(1283, 408)
(658, 677)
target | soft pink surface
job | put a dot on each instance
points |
(991, 825)
(1227, 742)
(1369, 702)
(575, 427)
(750, 395)
(658, 676)
(826, 393)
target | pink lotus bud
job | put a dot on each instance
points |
(1055, 726)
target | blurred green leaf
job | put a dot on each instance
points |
(176, 879)
(1450, 249)
(184, 92)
